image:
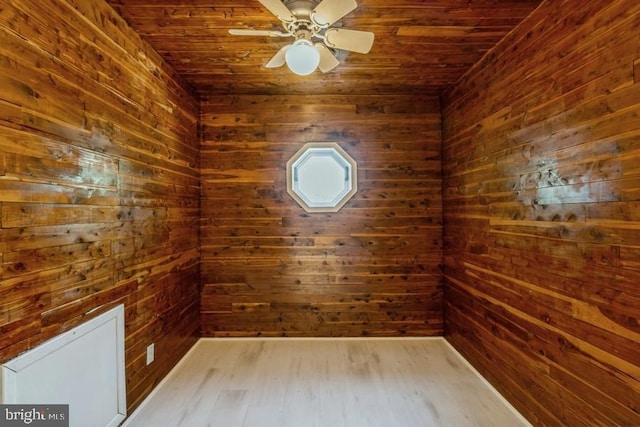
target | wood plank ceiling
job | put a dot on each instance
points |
(421, 45)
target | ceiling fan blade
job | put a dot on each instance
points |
(251, 32)
(327, 61)
(329, 11)
(279, 10)
(279, 58)
(353, 40)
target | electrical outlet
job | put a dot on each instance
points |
(151, 348)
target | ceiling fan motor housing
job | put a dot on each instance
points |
(301, 8)
(303, 27)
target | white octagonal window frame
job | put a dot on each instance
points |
(321, 177)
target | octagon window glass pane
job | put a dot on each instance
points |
(321, 177)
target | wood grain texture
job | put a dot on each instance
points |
(380, 382)
(269, 268)
(99, 185)
(420, 46)
(541, 154)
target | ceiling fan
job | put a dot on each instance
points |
(306, 20)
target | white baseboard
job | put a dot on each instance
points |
(488, 384)
(137, 411)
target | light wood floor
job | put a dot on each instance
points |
(323, 382)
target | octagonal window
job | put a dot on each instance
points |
(321, 177)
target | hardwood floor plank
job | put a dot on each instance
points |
(323, 382)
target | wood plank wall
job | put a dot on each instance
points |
(542, 214)
(99, 185)
(271, 269)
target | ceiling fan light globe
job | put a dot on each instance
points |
(302, 57)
